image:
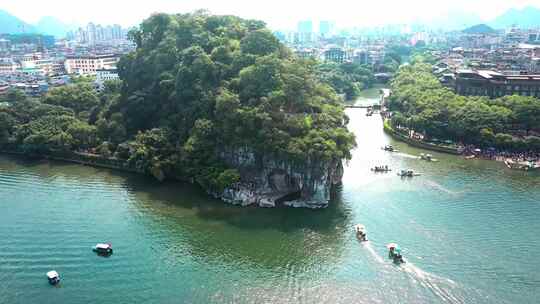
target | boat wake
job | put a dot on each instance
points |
(440, 287)
(406, 155)
(440, 187)
(371, 250)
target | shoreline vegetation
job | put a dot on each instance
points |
(85, 159)
(424, 113)
(216, 100)
(511, 160)
(418, 143)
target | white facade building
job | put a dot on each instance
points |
(105, 75)
(90, 65)
(7, 66)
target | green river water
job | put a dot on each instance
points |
(468, 229)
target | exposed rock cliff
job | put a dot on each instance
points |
(268, 180)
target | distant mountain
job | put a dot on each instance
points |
(454, 20)
(10, 24)
(479, 29)
(527, 17)
(53, 26)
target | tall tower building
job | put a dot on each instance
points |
(92, 35)
(305, 30)
(326, 28)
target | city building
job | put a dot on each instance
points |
(326, 28)
(305, 31)
(5, 45)
(7, 66)
(89, 65)
(335, 53)
(94, 34)
(305, 53)
(495, 84)
(103, 75)
(361, 57)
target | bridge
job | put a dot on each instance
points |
(385, 94)
(360, 106)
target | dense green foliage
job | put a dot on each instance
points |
(196, 86)
(59, 122)
(346, 78)
(421, 103)
(202, 84)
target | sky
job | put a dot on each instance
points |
(278, 14)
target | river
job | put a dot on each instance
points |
(468, 229)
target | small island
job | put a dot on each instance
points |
(213, 100)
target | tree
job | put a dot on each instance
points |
(7, 124)
(78, 97)
(14, 95)
(197, 86)
(346, 78)
(420, 100)
(260, 42)
(84, 135)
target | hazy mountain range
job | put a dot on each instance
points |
(528, 17)
(10, 24)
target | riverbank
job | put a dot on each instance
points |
(84, 159)
(514, 161)
(416, 143)
(241, 194)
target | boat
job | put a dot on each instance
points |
(394, 253)
(53, 277)
(361, 232)
(427, 157)
(407, 173)
(470, 156)
(103, 248)
(383, 169)
(390, 148)
(521, 165)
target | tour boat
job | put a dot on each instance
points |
(53, 277)
(394, 252)
(381, 169)
(361, 232)
(408, 173)
(389, 148)
(103, 248)
(427, 157)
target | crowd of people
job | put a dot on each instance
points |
(494, 154)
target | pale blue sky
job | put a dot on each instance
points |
(277, 13)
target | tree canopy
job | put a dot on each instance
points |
(218, 82)
(196, 85)
(421, 103)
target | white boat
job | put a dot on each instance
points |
(53, 277)
(381, 169)
(407, 173)
(361, 232)
(427, 157)
(390, 148)
(103, 248)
